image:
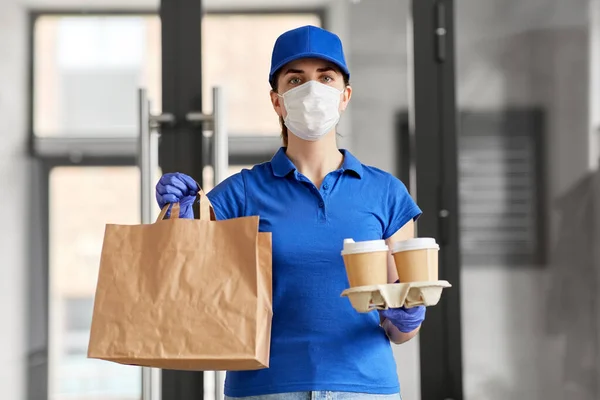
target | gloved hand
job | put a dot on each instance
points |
(405, 319)
(177, 188)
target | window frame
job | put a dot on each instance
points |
(243, 149)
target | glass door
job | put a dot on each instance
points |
(86, 69)
(82, 201)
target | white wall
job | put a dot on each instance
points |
(14, 175)
(376, 48)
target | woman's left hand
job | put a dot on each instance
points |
(405, 319)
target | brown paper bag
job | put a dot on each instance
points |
(184, 294)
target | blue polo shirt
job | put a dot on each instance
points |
(319, 342)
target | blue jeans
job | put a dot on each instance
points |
(321, 395)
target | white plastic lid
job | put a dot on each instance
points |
(352, 247)
(415, 244)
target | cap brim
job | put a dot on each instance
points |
(295, 57)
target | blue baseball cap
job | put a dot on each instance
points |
(307, 42)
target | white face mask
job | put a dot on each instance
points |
(312, 109)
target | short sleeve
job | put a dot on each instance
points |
(400, 206)
(228, 198)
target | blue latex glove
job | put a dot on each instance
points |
(405, 319)
(177, 188)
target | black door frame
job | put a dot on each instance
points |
(435, 149)
(181, 146)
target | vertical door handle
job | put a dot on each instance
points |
(144, 154)
(220, 137)
(221, 168)
(214, 381)
(148, 164)
(219, 142)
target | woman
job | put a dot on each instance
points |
(311, 196)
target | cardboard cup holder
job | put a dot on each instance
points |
(394, 295)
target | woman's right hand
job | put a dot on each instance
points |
(177, 188)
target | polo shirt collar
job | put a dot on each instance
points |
(351, 163)
(282, 165)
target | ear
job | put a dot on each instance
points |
(277, 103)
(346, 95)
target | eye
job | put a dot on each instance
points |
(294, 81)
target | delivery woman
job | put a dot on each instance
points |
(311, 196)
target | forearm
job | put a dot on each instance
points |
(395, 335)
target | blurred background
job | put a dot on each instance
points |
(489, 110)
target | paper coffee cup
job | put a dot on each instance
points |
(366, 262)
(416, 260)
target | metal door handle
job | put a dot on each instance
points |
(215, 122)
(156, 121)
(148, 163)
(220, 137)
(219, 148)
(221, 168)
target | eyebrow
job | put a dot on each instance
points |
(293, 71)
(299, 71)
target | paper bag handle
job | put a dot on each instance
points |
(174, 212)
(205, 207)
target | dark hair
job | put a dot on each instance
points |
(284, 131)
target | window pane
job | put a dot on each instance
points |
(78, 313)
(237, 55)
(87, 70)
(82, 201)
